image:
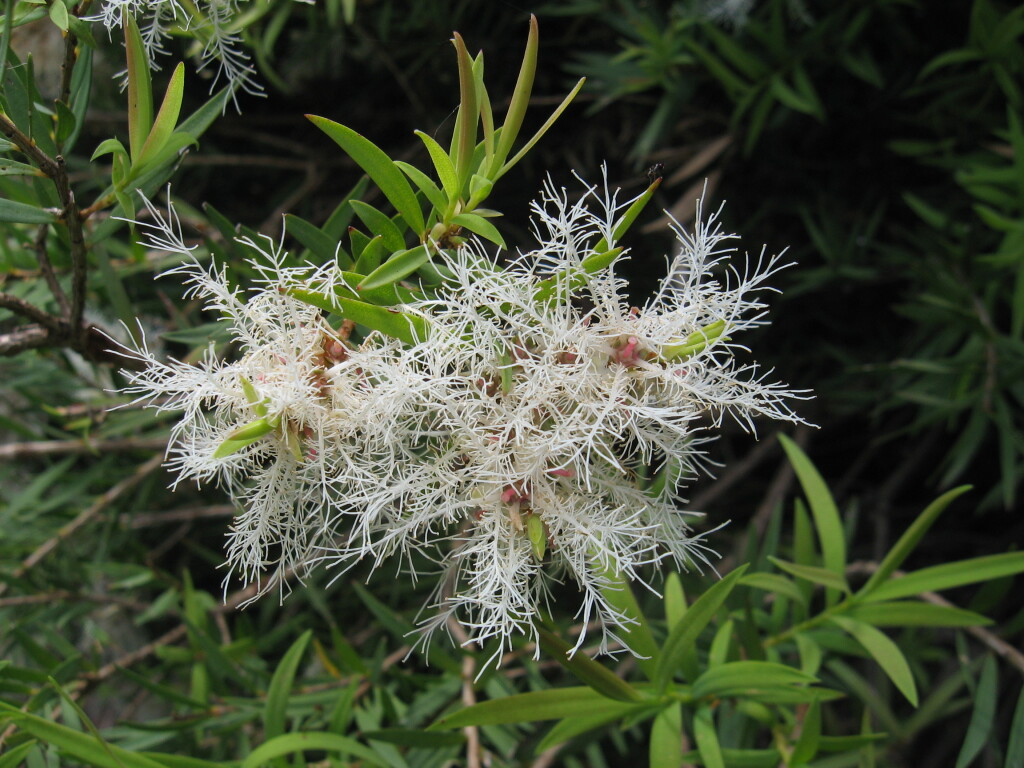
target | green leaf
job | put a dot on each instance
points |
(706, 736)
(379, 224)
(910, 613)
(281, 685)
(806, 746)
(468, 116)
(983, 715)
(13, 757)
(950, 575)
(59, 14)
(675, 599)
(82, 746)
(140, 87)
(369, 260)
(680, 648)
(823, 509)
(479, 226)
(774, 583)
(746, 677)
(319, 244)
(540, 133)
(1015, 749)
(166, 119)
(574, 726)
(636, 633)
(426, 185)
(291, 743)
(625, 221)
(22, 213)
(518, 103)
(551, 704)
(379, 167)
(910, 538)
(588, 671)
(244, 436)
(394, 269)
(10, 167)
(405, 327)
(667, 737)
(696, 342)
(414, 739)
(821, 576)
(443, 165)
(574, 278)
(884, 651)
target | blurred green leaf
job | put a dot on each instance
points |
(983, 715)
(884, 651)
(551, 704)
(291, 743)
(276, 708)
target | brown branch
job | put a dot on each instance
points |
(64, 447)
(21, 307)
(24, 338)
(43, 161)
(188, 514)
(46, 267)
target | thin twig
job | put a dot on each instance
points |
(21, 307)
(64, 447)
(43, 161)
(85, 517)
(46, 267)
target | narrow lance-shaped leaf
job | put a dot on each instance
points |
(166, 118)
(466, 123)
(403, 326)
(140, 87)
(290, 743)
(625, 221)
(602, 680)
(379, 167)
(540, 133)
(823, 509)
(910, 538)
(446, 172)
(400, 265)
(551, 704)
(812, 573)
(706, 736)
(478, 225)
(884, 651)
(520, 100)
(983, 716)
(636, 632)
(280, 687)
(679, 649)
(950, 575)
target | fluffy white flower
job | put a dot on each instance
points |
(557, 394)
(509, 445)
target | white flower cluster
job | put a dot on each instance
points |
(212, 23)
(509, 444)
